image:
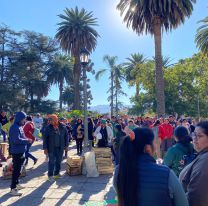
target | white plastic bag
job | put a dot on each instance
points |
(91, 164)
(1, 138)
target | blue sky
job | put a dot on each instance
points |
(116, 39)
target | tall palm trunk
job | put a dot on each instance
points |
(160, 95)
(2, 59)
(137, 91)
(76, 74)
(31, 100)
(112, 79)
(61, 87)
(116, 101)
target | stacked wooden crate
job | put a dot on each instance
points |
(104, 160)
(4, 147)
(74, 165)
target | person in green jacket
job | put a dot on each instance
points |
(174, 157)
(7, 126)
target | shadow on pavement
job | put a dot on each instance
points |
(36, 197)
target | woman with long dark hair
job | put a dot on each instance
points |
(175, 156)
(139, 181)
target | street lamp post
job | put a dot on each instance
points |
(84, 60)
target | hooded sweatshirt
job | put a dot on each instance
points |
(17, 139)
(174, 156)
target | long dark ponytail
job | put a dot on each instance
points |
(127, 182)
(182, 135)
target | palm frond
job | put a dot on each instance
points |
(201, 38)
(100, 73)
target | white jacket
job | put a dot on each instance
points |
(109, 132)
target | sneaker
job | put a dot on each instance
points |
(50, 179)
(19, 187)
(14, 192)
(55, 177)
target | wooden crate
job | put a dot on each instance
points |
(74, 171)
(75, 161)
(101, 160)
(4, 149)
(102, 152)
(105, 171)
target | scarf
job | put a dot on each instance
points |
(54, 122)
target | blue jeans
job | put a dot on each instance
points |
(54, 164)
(28, 154)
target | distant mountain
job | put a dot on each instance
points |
(104, 108)
(100, 108)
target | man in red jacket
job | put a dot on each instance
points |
(29, 130)
(166, 136)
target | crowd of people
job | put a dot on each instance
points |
(167, 155)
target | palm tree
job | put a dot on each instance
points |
(153, 17)
(68, 95)
(60, 71)
(75, 32)
(131, 67)
(119, 76)
(111, 62)
(202, 36)
(166, 62)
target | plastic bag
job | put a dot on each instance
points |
(37, 133)
(90, 164)
(8, 170)
(1, 138)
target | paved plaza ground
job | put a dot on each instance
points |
(69, 190)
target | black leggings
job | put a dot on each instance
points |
(79, 145)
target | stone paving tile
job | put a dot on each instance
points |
(102, 179)
(72, 203)
(86, 196)
(28, 201)
(8, 201)
(93, 187)
(63, 194)
(48, 202)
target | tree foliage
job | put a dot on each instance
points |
(76, 31)
(153, 17)
(186, 87)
